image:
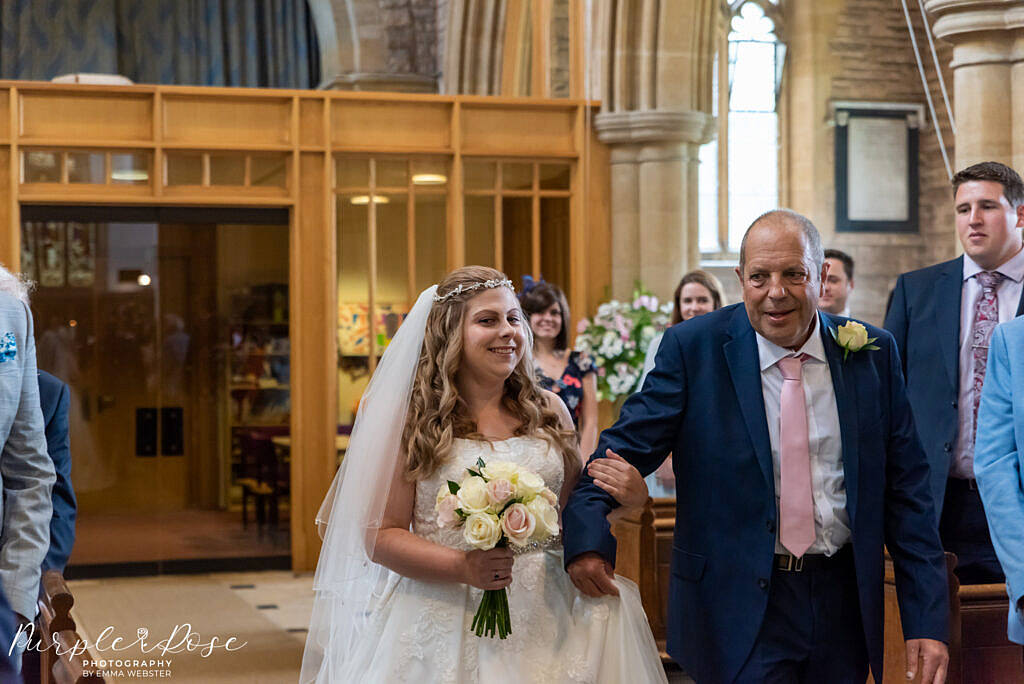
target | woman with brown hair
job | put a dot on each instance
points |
(396, 589)
(568, 373)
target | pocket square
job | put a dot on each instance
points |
(8, 347)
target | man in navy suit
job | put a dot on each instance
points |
(786, 493)
(940, 317)
(54, 398)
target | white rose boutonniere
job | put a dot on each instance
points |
(852, 337)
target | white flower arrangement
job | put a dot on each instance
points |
(617, 338)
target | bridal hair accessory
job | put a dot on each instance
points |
(489, 284)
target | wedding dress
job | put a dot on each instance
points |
(419, 631)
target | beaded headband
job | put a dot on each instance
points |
(475, 286)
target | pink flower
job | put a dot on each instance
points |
(581, 327)
(499, 491)
(518, 524)
(446, 515)
(550, 496)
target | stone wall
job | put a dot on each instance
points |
(876, 62)
(863, 52)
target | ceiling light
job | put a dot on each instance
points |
(130, 176)
(429, 179)
(144, 280)
(365, 199)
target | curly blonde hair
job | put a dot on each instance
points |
(437, 414)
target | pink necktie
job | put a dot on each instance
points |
(986, 318)
(796, 504)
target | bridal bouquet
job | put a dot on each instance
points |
(497, 505)
(618, 337)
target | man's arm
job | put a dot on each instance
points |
(643, 436)
(896, 320)
(997, 466)
(911, 532)
(65, 508)
(28, 477)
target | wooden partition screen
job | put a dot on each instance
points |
(231, 147)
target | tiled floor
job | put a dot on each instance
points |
(269, 610)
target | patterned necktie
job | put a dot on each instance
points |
(986, 318)
(796, 503)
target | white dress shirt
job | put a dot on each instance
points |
(1008, 296)
(828, 480)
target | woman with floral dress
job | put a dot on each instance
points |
(569, 374)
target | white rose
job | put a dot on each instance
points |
(529, 485)
(501, 470)
(852, 335)
(441, 494)
(482, 531)
(473, 495)
(546, 517)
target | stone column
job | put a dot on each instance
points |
(988, 77)
(654, 191)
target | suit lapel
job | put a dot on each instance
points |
(1020, 305)
(745, 370)
(948, 289)
(845, 388)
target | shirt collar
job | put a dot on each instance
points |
(1012, 269)
(769, 353)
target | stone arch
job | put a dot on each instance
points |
(377, 44)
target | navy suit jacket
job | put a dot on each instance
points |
(703, 403)
(54, 397)
(924, 317)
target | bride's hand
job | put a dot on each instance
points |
(488, 569)
(619, 478)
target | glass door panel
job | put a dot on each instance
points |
(171, 330)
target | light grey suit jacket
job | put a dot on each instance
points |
(999, 460)
(26, 472)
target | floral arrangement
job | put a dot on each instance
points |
(617, 339)
(496, 505)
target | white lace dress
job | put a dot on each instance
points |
(420, 631)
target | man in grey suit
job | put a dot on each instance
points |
(26, 471)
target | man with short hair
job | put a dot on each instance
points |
(942, 318)
(838, 283)
(796, 460)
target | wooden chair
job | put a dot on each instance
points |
(57, 630)
(262, 477)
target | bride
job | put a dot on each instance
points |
(396, 593)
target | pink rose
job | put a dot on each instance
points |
(581, 327)
(550, 496)
(499, 491)
(446, 515)
(518, 524)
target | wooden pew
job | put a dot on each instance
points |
(55, 602)
(644, 537)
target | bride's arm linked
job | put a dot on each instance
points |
(612, 474)
(401, 551)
